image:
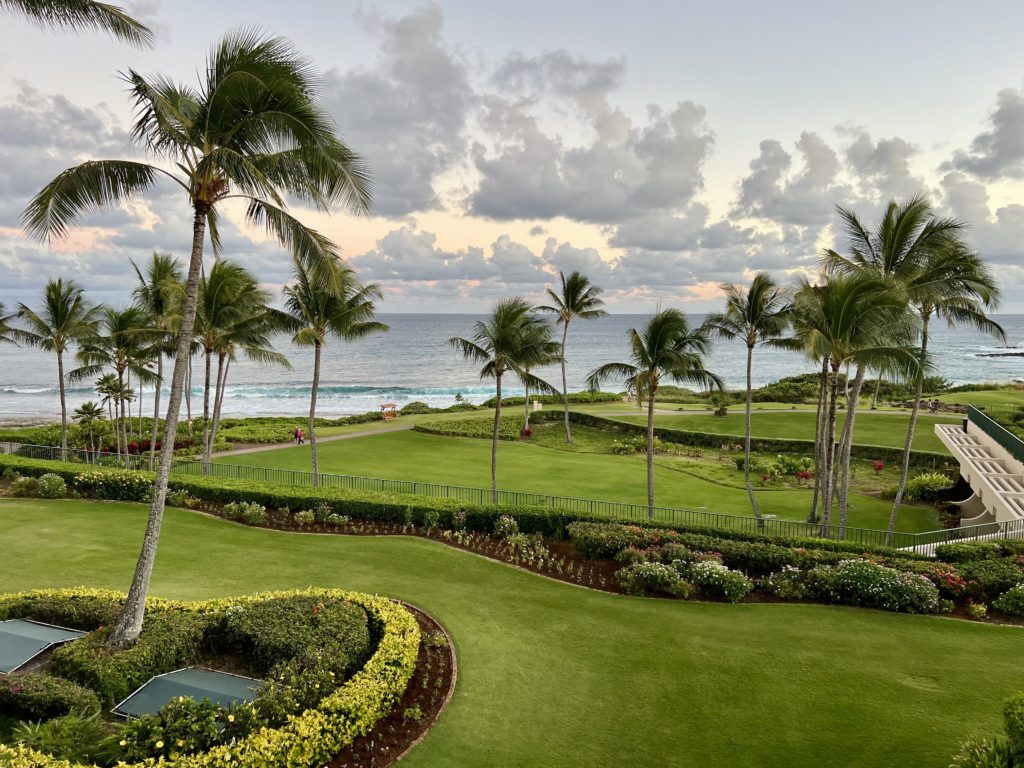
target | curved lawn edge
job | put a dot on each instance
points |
(310, 739)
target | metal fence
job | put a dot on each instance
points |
(993, 421)
(483, 497)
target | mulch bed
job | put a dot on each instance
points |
(426, 696)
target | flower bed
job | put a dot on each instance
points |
(310, 737)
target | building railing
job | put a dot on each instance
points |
(986, 423)
(483, 497)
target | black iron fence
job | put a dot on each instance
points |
(484, 497)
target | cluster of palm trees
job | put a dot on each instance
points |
(868, 310)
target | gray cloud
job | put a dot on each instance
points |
(999, 151)
(406, 115)
(882, 167)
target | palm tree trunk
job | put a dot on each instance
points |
(206, 402)
(918, 389)
(218, 401)
(63, 408)
(847, 443)
(829, 447)
(746, 439)
(120, 415)
(819, 441)
(129, 625)
(650, 451)
(494, 441)
(526, 399)
(565, 385)
(156, 409)
(874, 397)
(208, 435)
(188, 392)
(312, 413)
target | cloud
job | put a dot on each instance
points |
(999, 151)
(406, 115)
(882, 167)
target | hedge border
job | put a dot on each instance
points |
(757, 444)
(308, 740)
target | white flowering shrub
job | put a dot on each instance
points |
(713, 578)
(867, 584)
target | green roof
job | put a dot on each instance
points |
(195, 683)
(22, 640)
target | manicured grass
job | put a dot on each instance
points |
(870, 429)
(526, 467)
(555, 675)
(987, 397)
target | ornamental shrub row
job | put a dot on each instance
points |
(757, 444)
(448, 513)
(477, 426)
(306, 740)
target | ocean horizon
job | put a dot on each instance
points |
(413, 361)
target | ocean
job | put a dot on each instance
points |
(413, 361)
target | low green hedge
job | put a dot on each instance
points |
(510, 427)
(757, 444)
(574, 397)
(307, 740)
(402, 508)
(38, 696)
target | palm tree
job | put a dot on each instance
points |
(65, 318)
(854, 319)
(665, 348)
(315, 315)
(105, 387)
(159, 293)
(758, 315)
(86, 416)
(255, 131)
(7, 334)
(122, 342)
(502, 343)
(941, 277)
(539, 349)
(83, 14)
(577, 298)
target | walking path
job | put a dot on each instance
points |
(258, 447)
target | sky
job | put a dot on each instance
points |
(660, 148)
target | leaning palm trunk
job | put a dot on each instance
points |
(156, 409)
(494, 441)
(206, 404)
(829, 448)
(188, 393)
(819, 441)
(918, 390)
(746, 440)
(526, 407)
(874, 397)
(650, 451)
(129, 625)
(565, 385)
(312, 413)
(63, 408)
(847, 444)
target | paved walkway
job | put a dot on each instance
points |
(319, 440)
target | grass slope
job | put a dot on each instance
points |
(525, 467)
(870, 429)
(554, 675)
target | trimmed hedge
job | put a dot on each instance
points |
(509, 428)
(757, 444)
(402, 508)
(307, 740)
(38, 696)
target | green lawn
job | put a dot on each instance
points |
(555, 675)
(985, 397)
(870, 429)
(540, 469)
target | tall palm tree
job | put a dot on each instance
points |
(502, 344)
(65, 318)
(758, 315)
(854, 319)
(255, 131)
(105, 387)
(665, 348)
(7, 335)
(941, 277)
(86, 416)
(315, 315)
(577, 298)
(539, 349)
(83, 14)
(121, 342)
(159, 292)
